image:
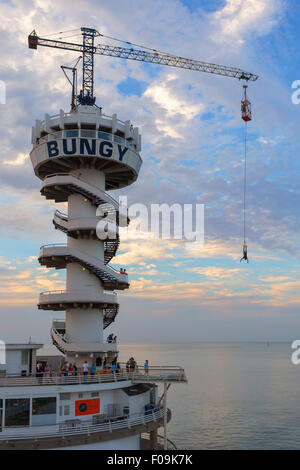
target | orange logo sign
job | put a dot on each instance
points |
(87, 407)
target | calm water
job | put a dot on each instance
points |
(239, 395)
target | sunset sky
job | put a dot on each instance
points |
(192, 150)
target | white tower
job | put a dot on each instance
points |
(79, 156)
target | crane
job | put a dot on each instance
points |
(88, 49)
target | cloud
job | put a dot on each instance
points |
(21, 157)
(21, 283)
(162, 95)
(214, 272)
(238, 18)
(137, 252)
(194, 293)
(275, 278)
(280, 294)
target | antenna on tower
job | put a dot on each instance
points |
(73, 83)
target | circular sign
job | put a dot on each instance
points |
(82, 407)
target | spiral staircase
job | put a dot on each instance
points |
(58, 256)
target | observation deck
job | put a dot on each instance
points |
(156, 374)
(87, 138)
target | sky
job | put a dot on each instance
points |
(192, 138)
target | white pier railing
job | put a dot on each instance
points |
(155, 374)
(65, 429)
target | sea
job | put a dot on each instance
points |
(238, 395)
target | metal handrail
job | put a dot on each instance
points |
(65, 217)
(61, 215)
(99, 377)
(139, 366)
(86, 291)
(101, 262)
(113, 201)
(64, 339)
(116, 270)
(110, 117)
(81, 112)
(62, 429)
(53, 244)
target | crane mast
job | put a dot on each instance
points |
(87, 93)
(88, 50)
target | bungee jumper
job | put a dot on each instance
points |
(246, 116)
(245, 254)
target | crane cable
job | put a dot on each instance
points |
(246, 116)
(129, 43)
(245, 182)
(64, 32)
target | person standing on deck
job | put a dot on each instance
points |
(47, 370)
(85, 369)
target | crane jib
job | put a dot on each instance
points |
(143, 56)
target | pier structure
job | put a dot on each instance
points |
(80, 156)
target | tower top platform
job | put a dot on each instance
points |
(87, 138)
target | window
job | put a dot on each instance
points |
(64, 410)
(130, 144)
(98, 361)
(88, 133)
(43, 410)
(24, 358)
(72, 133)
(44, 406)
(80, 395)
(65, 396)
(104, 135)
(95, 394)
(119, 139)
(17, 412)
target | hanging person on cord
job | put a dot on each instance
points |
(245, 255)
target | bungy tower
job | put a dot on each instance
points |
(80, 156)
